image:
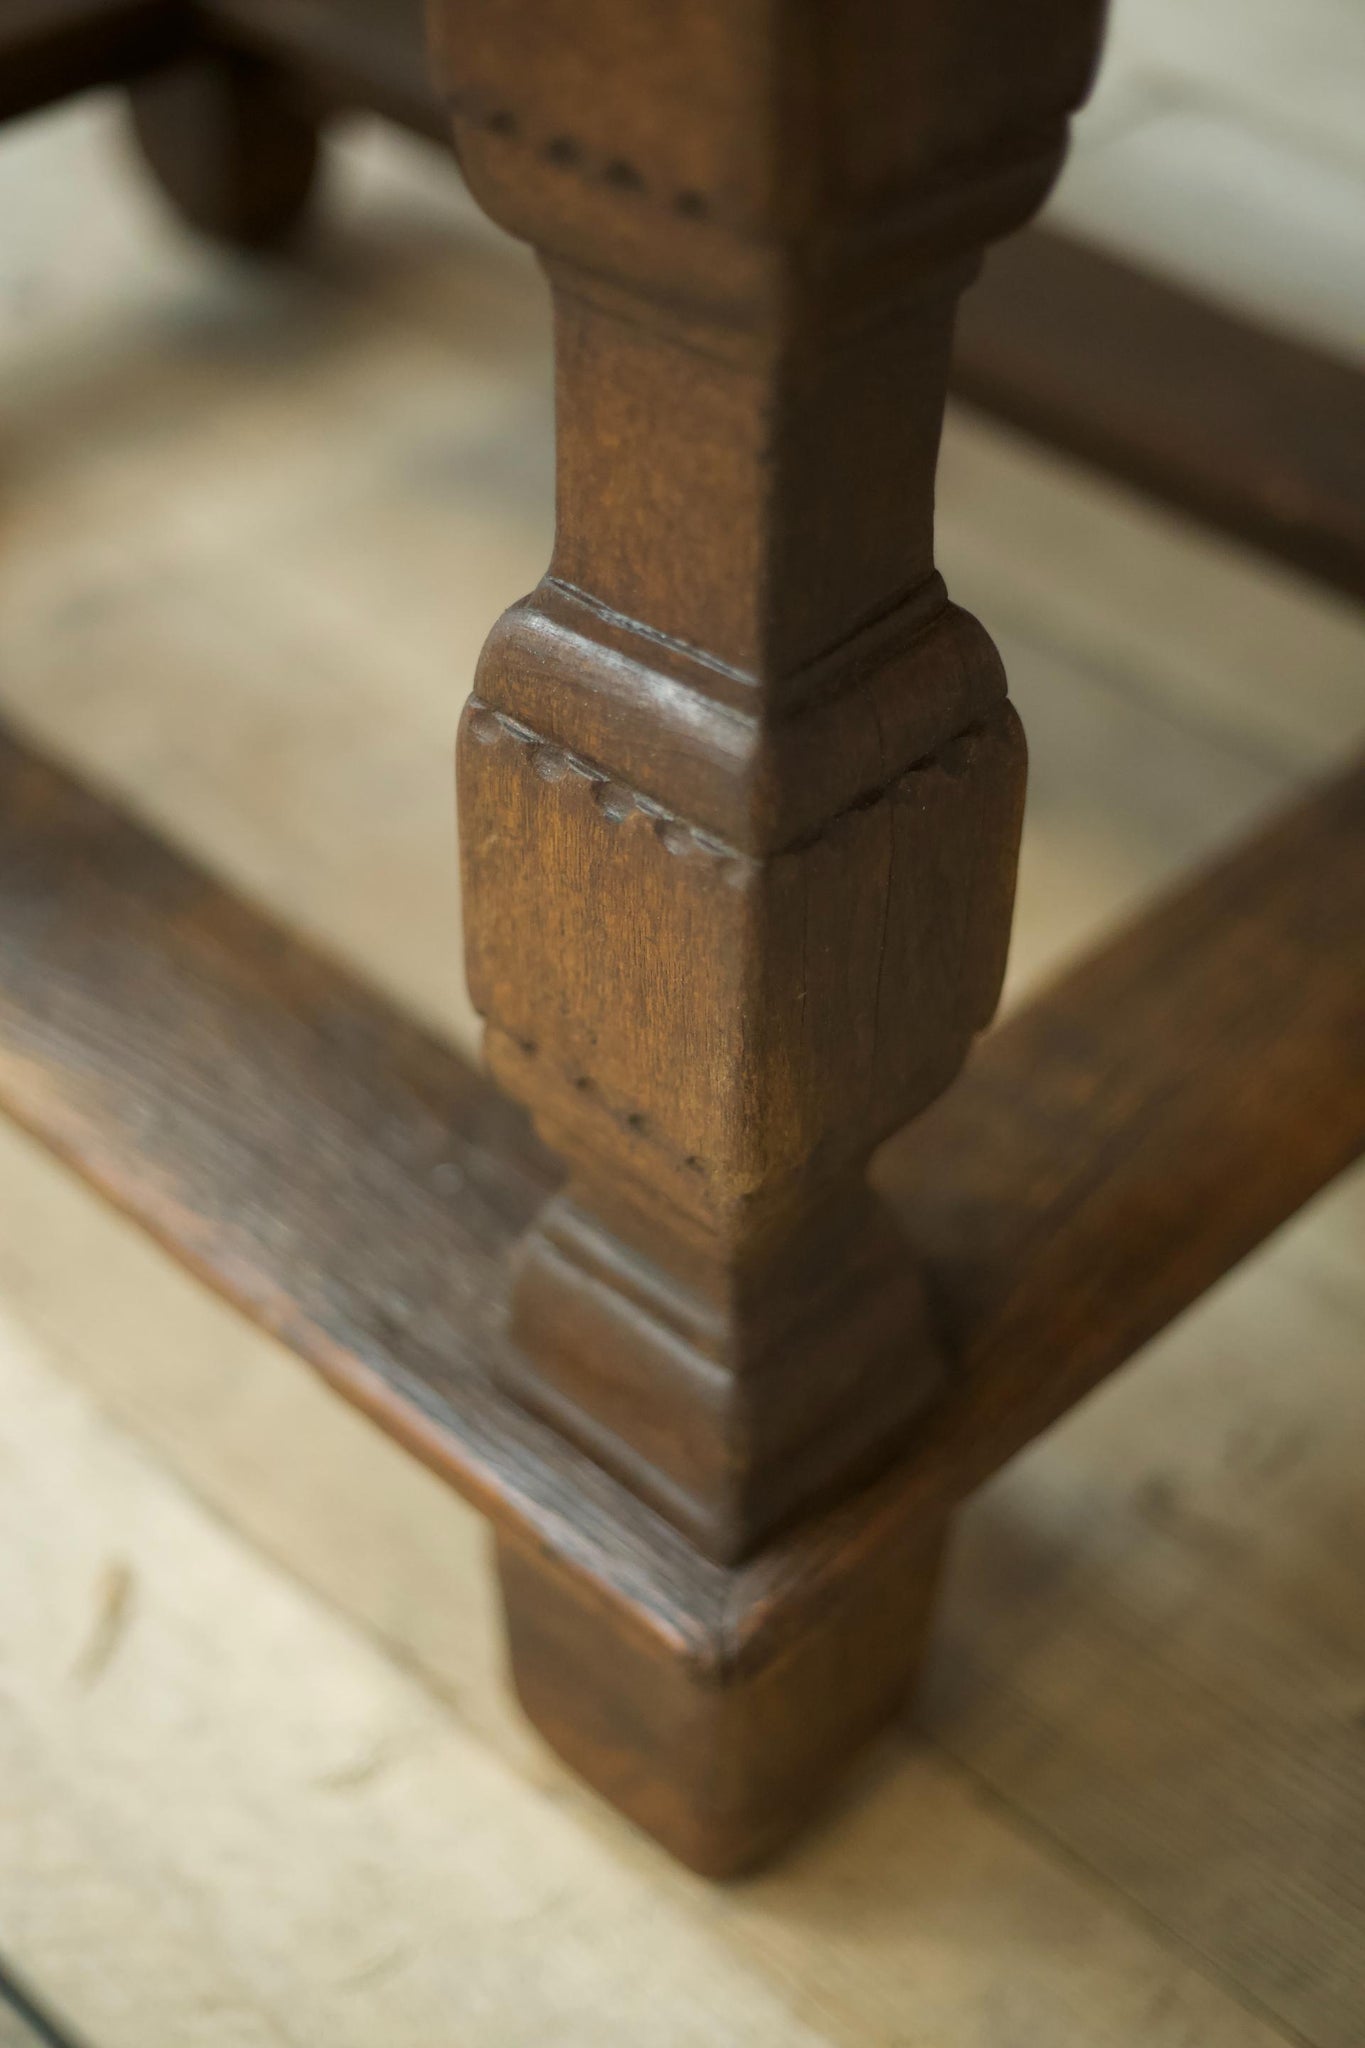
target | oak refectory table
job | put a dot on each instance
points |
(787, 1257)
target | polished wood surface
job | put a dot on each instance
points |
(1128, 1805)
(740, 791)
(1250, 429)
(740, 799)
(398, 1182)
(739, 725)
(1247, 428)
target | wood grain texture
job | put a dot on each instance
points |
(1247, 988)
(282, 1838)
(1156, 1607)
(413, 1889)
(1261, 436)
(724, 1773)
(1152, 1642)
(790, 616)
(355, 1187)
(740, 792)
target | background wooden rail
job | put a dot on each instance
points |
(1258, 435)
(1261, 436)
(355, 1187)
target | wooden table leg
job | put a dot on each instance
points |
(737, 731)
(740, 795)
(233, 140)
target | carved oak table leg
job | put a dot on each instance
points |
(740, 796)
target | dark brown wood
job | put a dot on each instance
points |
(233, 141)
(1256, 433)
(50, 49)
(1189, 1088)
(350, 1184)
(721, 1766)
(1253, 432)
(741, 799)
(740, 789)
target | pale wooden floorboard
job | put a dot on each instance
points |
(228, 1819)
(254, 529)
(1152, 1643)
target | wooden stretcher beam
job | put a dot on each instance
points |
(1254, 433)
(354, 1186)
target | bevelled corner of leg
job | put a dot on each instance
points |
(724, 1748)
